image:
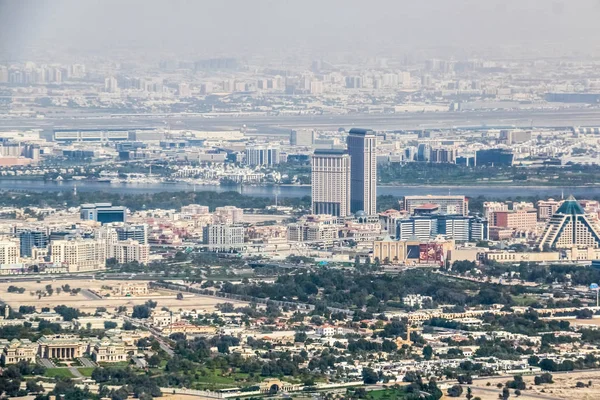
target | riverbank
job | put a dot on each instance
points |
(298, 191)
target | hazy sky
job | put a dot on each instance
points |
(378, 27)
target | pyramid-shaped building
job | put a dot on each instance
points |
(569, 227)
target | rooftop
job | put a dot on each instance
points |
(570, 207)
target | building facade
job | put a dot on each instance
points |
(363, 170)
(331, 182)
(570, 227)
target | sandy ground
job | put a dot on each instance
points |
(562, 388)
(86, 302)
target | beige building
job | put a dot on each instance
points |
(330, 187)
(314, 228)
(9, 252)
(127, 251)
(109, 350)
(18, 350)
(447, 204)
(547, 208)
(79, 254)
(411, 251)
(228, 215)
(132, 289)
(62, 347)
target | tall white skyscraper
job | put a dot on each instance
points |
(363, 176)
(331, 182)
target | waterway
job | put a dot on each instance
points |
(491, 191)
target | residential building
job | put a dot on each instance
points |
(222, 237)
(79, 254)
(9, 252)
(126, 251)
(331, 182)
(547, 208)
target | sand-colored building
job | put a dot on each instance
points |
(18, 350)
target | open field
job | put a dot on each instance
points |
(87, 302)
(562, 388)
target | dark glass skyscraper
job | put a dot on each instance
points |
(363, 171)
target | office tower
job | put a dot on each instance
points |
(569, 227)
(32, 239)
(331, 182)
(494, 157)
(262, 155)
(301, 137)
(363, 170)
(447, 204)
(137, 232)
(103, 213)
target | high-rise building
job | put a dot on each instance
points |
(363, 170)
(103, 213)
(31, 239)
(262, 155)
(569, 227)
(137, 232)
(331, 182)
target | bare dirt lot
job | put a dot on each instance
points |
(564, 387)
(86, 301)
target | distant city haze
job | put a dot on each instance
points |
(252, 28)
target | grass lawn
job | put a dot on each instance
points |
(86, 371)
(121, 364)
(215, 379)
(58, 373)
(524, 300)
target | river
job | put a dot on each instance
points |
(492, 191)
